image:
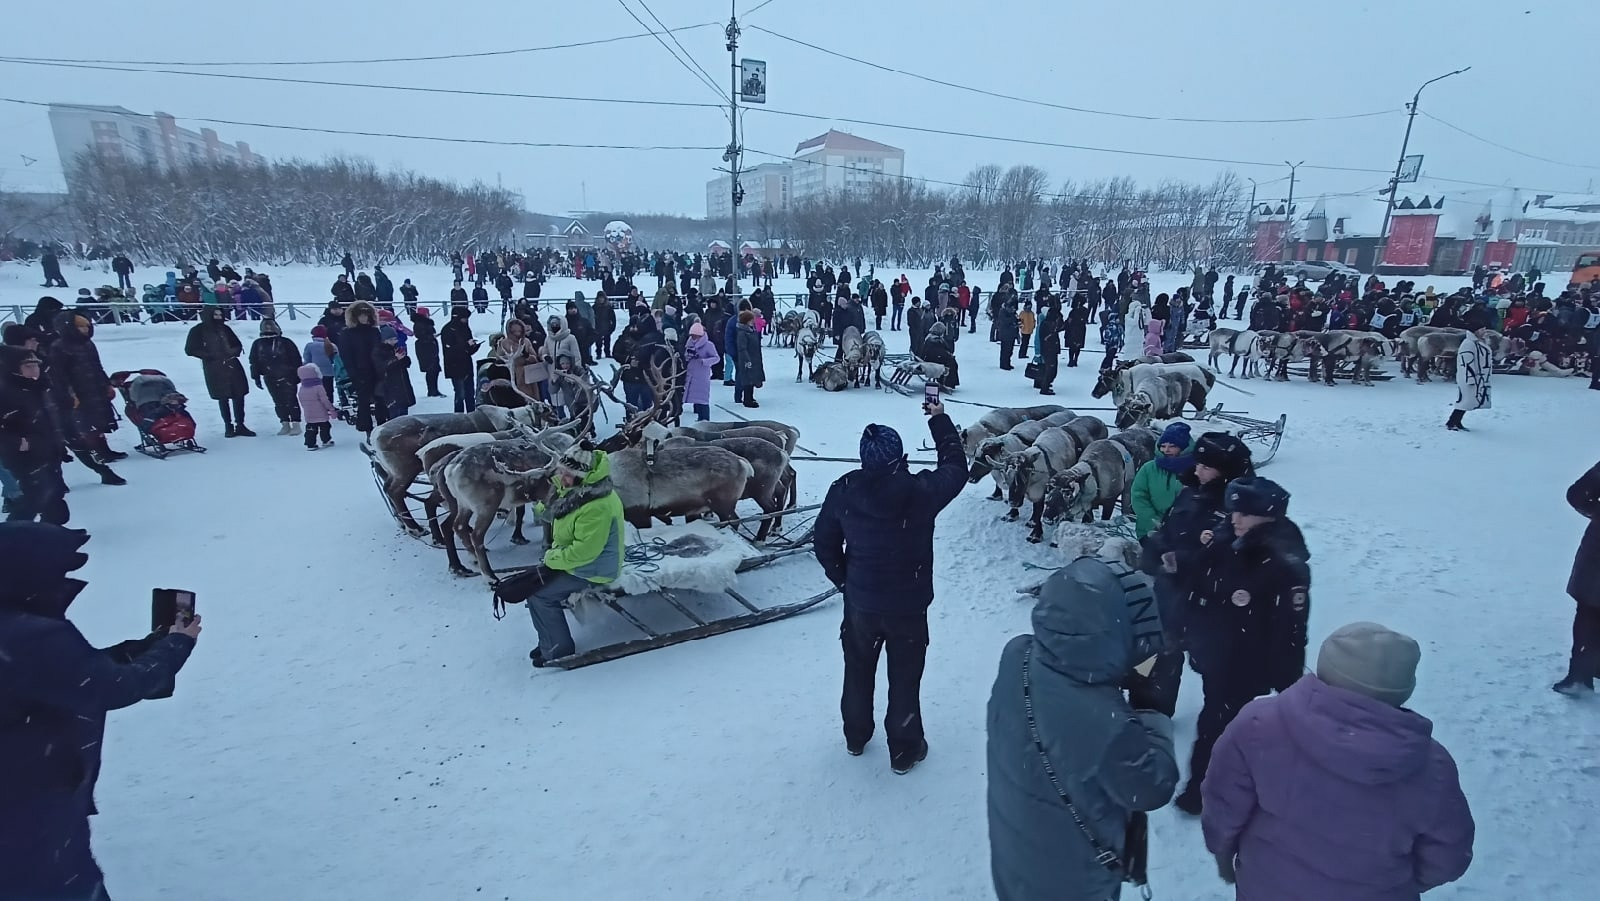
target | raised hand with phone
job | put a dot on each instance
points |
(63, 687)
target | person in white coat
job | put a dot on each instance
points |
(1474, 366)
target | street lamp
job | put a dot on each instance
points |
(1394, 183)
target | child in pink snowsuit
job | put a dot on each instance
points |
(315, 407)
(1152, 337)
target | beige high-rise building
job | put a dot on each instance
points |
(838, 161)
(766, 188)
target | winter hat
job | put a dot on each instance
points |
(697, 331)
(1256, 497)
(319, 331)
(309, 374)
(16, 334)
(387, 333)
(424, 313)
(1176, 434)
(881, 448)
(669, 335)
(1473, 320)
(39, 556)
(1223, 452)
(577, 458)
(269, 328)
(1370, 660)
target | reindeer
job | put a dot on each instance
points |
(1278, 350)
(1330, 347)
(873, 354)
(790, 434)
(806, 342)
(1236, 342)
(832, 376)
(481, 481)
(784, 331)
(1405, 346)
(1029, 474)
(1102, 476)
(772, 486)
(1155, 390)
(396, 443)
(906, 370)
(679, 481)
(851, 353)
(993, 453)
(644, 424)
(1442, 346)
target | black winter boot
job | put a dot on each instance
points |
(243, 432)
(228, 430)
(107, 477)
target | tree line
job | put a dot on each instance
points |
(1010, 214)
(285, 211)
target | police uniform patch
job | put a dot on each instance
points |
(1298, 598)
(1241, 598)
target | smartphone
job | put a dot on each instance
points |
(930, 394)
(170, 605)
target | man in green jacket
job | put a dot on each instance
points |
(585, 547)
(1157, 483)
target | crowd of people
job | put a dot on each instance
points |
(1321, 782)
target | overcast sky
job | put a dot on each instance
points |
(1530, 88)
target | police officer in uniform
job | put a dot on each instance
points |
(1247, 616)
(1173, 554)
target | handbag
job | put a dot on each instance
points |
(534, 373)
(1133, 865)
(1031, 371)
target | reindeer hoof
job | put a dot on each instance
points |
(1011, 517)
(1035, 539)
(518, 539)
(462, 572)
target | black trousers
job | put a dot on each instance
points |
(1007, 345)
(44, 496)
(432, 378)
(1226, 694)
(370, 410)
(1455, 417)
(1585, 643)
(1110, 360)
(1072, 355)
(863, 635)
(285, 401)
(318, 430)
(232, 410)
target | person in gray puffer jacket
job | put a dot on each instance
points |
(1093, 624)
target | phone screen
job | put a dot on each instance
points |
(169, 606)
(930, 394)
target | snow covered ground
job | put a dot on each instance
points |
(355, 724)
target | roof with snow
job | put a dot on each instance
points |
(839, 140)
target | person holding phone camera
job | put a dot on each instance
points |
(55, 691)
(874, 539)
(1073, 763)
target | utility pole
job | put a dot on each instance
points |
(1394, 183)
(1288, 222)
(731, 156)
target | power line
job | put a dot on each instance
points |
(1060, 106)
(668, 32)
(1531, 156)
(757, 7)
(353, 62)
(690, 66)
(380, 87)
(407, 137)
(1032, 142)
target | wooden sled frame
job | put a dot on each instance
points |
(1261, 434)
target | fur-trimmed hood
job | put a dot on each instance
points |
(352, 312)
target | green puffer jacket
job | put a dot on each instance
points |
(1154, 491)
(586, 522)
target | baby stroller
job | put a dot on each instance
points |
(154, 405)
(344, 399)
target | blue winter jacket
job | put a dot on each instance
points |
(874, 534)
(55, 691)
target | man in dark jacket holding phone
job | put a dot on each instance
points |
(1584, 588)
(874, 539)
(55, 691)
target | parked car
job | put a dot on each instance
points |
(1312, 270)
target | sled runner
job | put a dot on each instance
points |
(678, 585)
(1344, 371)
(1263, 435)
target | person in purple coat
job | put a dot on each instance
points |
(699, 355)
(1332, 790)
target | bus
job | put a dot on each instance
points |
(1586, 269)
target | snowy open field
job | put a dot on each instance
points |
(356, 725)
